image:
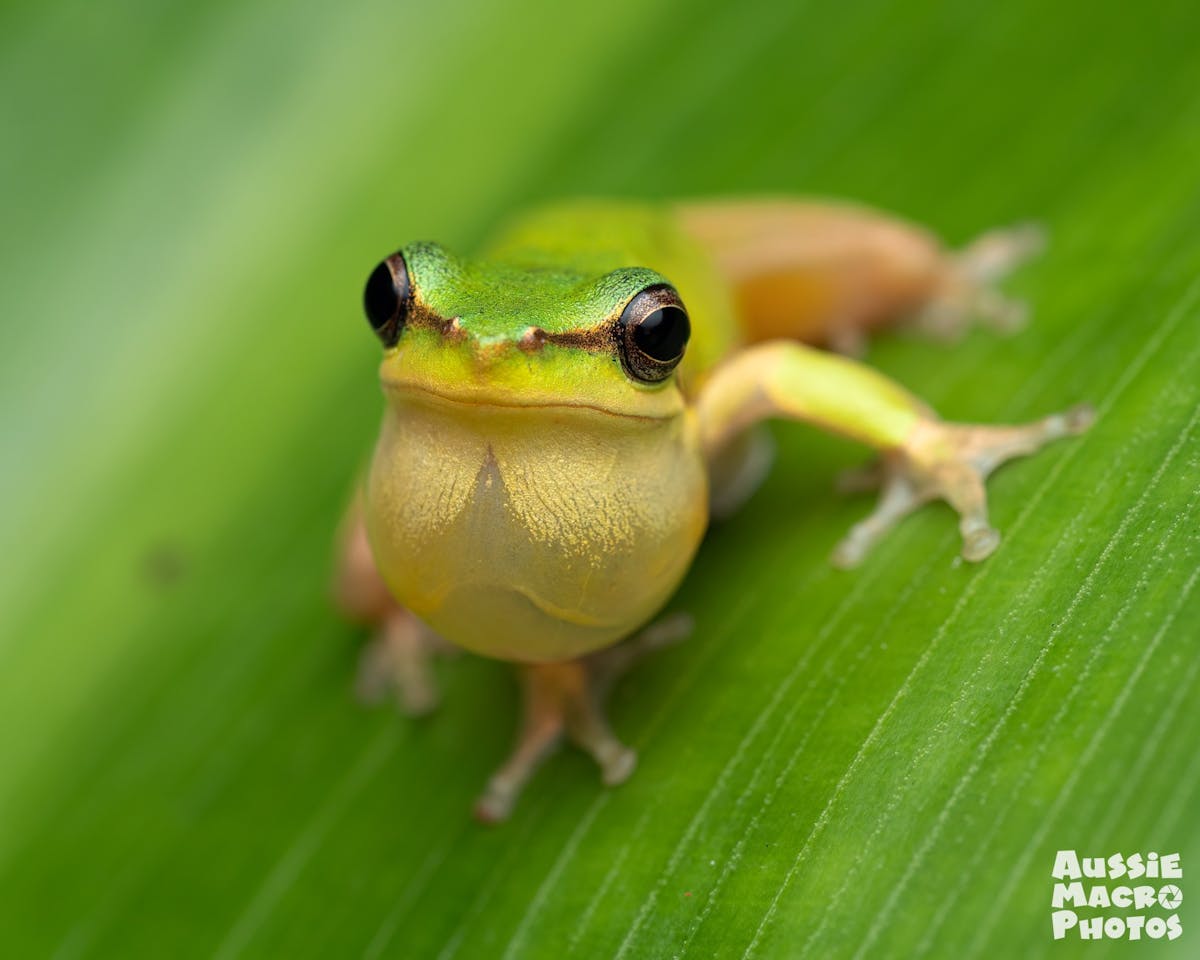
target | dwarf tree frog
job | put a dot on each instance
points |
(565, 409)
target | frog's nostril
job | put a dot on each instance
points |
(385, 299)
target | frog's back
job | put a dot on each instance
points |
(598, 236)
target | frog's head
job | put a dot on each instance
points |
(489, 334)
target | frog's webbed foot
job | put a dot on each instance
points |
(567, 699)
(968, 289)
(951, 462)
(397, 662)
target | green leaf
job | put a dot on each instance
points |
(876, 763)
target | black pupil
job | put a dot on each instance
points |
(663, 334)
(381, 298)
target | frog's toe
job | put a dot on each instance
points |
(985, 448)
(494, 805)
(899, 498)
(967, 292)
(567, 698)
(955, 311)
(541, 733)
(951, 462)
(618, 766)
(397, 663)
(993, 255)
(1000, 313)
(590, 731)
(980, 542)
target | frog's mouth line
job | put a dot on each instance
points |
(465, 400)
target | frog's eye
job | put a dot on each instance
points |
(652, 334)
(386, 299)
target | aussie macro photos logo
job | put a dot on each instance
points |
(1116, 897)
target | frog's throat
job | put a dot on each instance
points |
(466, 398)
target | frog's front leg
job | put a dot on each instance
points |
(396, 662)
(567, 698)
(924, 458)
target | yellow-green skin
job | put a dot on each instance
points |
(534, 505)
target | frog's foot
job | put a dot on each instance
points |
(566, 699)
(968, 292)
(397, 662)
(951, 462)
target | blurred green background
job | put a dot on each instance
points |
(876, 763)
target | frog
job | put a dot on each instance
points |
(567, 409)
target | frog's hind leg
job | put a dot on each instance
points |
(830, 274)
(967, 290)
(566, 699)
